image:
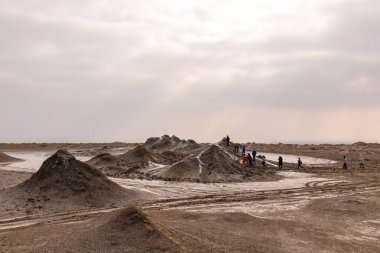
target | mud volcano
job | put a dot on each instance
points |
(129, 230)
(4, 158)
(103, 160)
(166, 143)
(211, 165)
(139, 155)
(64, 183)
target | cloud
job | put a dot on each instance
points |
(94, 70)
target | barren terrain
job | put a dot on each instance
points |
(316, 209)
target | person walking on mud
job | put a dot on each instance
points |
(243, 150)
(299, 163)
(280, 163)
(345, 163)
(362, 162)
(228, 141)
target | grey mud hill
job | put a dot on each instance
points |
(174, 159)
(128, 230)
(64, 183)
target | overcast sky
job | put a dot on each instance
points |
(258, 70)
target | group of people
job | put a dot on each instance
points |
(249, 159)
(345, 162)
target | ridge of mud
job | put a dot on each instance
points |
(4, 158)
(166, 143)
(140, 154)
(102, 160)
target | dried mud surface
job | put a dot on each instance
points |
(324, 211)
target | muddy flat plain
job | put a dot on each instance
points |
(318, 208)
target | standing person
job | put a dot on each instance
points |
(362, 162)
(228, 141)
(244, 158)
(243, 150)
(236, 149)
(250, 160)
(280, 163)
(345, 163)
(299, 163)
(254, 153)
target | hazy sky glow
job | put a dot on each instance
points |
(259, 70)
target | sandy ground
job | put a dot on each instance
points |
(328, 211)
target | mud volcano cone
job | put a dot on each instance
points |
(103, 160)
(64, 180)
(129, 230)
(140, 154)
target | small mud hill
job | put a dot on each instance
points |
(103, 160)
(140, 154)
(64, 183)
(129, 230)
(186, 170)
(173, 143)
(4, 158)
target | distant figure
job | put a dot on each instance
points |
(299, 163)
(244, 158)
(280, 163)
(228, 141)
(263, 162)
(254, 153)
(361, 162)
(250, 160)
(345, 163)
(236, 149)
(243, 150)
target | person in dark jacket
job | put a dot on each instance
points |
(280, 163)
(299, 163)
(243, 150)
(228, 141)
(250, 160)
(254, 154)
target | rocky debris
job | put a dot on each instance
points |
(4, 158)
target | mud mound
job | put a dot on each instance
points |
(217, 163)
(103, 160)
(211, 165)
(4, 158)
(165, 143)
(186, 170)
(129, 230)
(63, 183)
(140, 154)
(173, 143)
